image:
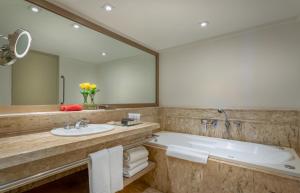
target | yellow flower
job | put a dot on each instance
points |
(82, 86)
(93, 86)
(85, 86)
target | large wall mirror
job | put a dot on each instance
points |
(65, 53)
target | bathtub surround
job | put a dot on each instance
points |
(273, 127)
(270, 159)
(177, 176)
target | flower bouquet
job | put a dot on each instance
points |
(88, 89)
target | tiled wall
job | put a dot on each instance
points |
(274, 127)
(17, 124)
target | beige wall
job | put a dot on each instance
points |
(5, 85)
(76, 72)
(128, 80)
(35, 79)
(259, 68)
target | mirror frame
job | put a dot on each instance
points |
(89, 24)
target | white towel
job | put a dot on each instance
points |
(116, 168)
(130, 173)
(99, 172)
(186, 153)
(132, 165)
(135, 154)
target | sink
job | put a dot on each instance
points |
(89, 130)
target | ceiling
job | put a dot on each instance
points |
(161, 24)
(55, 35)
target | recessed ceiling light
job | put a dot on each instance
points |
(204, 24)
(76, 26)
(34, 9)
(108, 7)
(103, 54)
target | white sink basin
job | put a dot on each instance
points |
(90, 129)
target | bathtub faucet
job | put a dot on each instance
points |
(227, 122)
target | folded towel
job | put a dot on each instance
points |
(116, 168)
(74, 107)
(186, 153)
(99, 172)
(132, 165)
(135, 154)
(130, 173)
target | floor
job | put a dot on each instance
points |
(78, 183)
(139, 187)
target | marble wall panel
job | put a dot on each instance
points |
(277, 127)
(24, 123)
(158, 178)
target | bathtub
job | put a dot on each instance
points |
(265, 157)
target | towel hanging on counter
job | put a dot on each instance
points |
(99, 172)
(116, 168)
(106, 170)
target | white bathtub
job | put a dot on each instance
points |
(269, 158)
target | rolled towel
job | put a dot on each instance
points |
(130, 166)
(130, 173)
(135, 154)
(75, 107)
(189, 154)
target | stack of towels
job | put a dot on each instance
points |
(134, 161)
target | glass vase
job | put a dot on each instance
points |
(85, 98)
(92, 98)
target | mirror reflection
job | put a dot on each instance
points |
(64, 55)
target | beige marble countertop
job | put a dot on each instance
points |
(27, 148)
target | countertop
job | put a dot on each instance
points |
(27, 148)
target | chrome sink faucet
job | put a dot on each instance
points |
(81, 123)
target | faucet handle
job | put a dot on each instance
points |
(82, 123)
(85, 122)
(67, 125)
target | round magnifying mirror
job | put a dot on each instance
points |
(19, 43)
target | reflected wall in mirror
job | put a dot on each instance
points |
(64, 54)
